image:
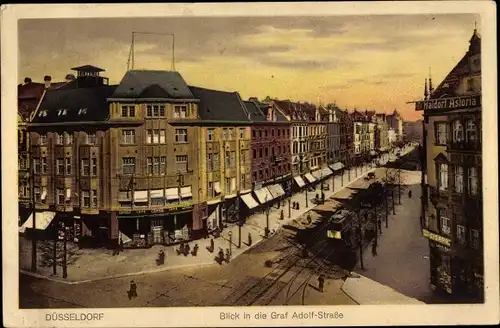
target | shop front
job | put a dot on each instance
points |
(165, 226)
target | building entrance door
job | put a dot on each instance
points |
(157, 231)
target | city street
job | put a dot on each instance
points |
(211, 285)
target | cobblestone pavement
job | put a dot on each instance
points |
(193, 286)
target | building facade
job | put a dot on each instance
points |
(452, 209)
(381, 133)
(395, 121)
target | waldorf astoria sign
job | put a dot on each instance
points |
(449, 103)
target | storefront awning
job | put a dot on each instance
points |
(263, 195)
(249, 201)
(42, 221)
(300, 181)
(141, 196)
(156, 193)
(317, 174)
(326, 172)
(309, 177)
(337, 166)
(172, 193)
(276, 190)
(217, 187)
(186, 192)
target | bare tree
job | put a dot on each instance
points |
(394, 177)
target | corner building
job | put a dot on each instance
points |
(452, 207)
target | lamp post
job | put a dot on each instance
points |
(289, 190)
(65, 253)
(230, 243)
(239, 219)
(359, 234)
(266, 230)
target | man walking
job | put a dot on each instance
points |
(132, 293)
(374, 249)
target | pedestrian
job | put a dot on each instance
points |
(132, 293)
(409, 194)
(194, 252)
(221, 255)
(321, 282)
(379, 223)
(212, 246)
(249, 239)
(186, 250)
(374, 249)
(228, 255)
(322, 197)
(121, 245)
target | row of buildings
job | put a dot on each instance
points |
(154, 160)
(452, 202)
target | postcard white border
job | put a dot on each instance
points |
(184, 317)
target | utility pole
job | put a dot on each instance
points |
(289, 199)
(240, 222)
(65, 259)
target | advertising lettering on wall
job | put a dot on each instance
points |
(449, 103)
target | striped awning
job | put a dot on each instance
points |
(249, 201)
(300, 181)
(309, 177)
(276, 190)
(263, 195)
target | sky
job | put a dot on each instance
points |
(363, 62)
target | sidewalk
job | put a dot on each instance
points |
(87, 265)
(365, 291)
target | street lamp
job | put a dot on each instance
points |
(65, 254)
(289, 190)
(239, 219)
(268, 209)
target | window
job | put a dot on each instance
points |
(243, 181)
(266, 151)
(162, 136)
(85, 169)
(474, 238)
(44, 165)
(443, 176)
(180, 111)
(470, 84)
(260, 133)
(94, 198)
(156, 136)
(216, 161)
(149, 136)
(181, 135)
(473, 185)
(233, 159)
(128, 165)
(69, 138)
(90, 139)
(23, 163)
(445, 222)
(86, 198)
(260, 152)
(227, 162)
(461, 234)
(42, 139)
(210, 189)
(458, 131)
(36, 191)
(254, 153)
(163, 164)
(210, 134)
(60, 197)
(279, 132)
(155, 111)
(59, 138)
(254, 133)
(243, 156)
(59, 166)
(242, 133)
(67, 164)
(24, 190)
(150, 165)
(210, 164)
(36, 165)
(441, 133)
(233, 184)
(470, 131)
(181, 163)
(128, 137)
(94, 166)
(128, 111)
(459, 179)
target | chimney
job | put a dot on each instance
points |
(47, 80)
(255, 99)
(27, 80)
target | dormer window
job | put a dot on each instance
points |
(470, 84)
(128, 111)
(180, 111)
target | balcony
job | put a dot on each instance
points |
(437, 195)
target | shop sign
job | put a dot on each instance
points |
(437, 238)
(449, 103)
(167, 209)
